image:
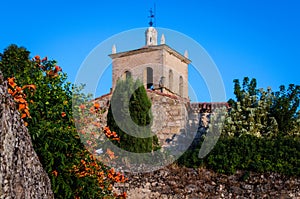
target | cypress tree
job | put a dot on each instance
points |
(129, 115)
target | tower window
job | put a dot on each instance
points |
(171, 80)
(149, 76)
(127, 74)
(181, 86)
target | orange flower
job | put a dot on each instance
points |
(22, 106)
(117, 139)
(20, 97)
(63, 114)
(123, 195)
(82, 106)
(92, 110)
(10, 91)
(20, 100)
(97, 105)
(55, 173)
(27, 112)
(112, 171)
(18, 89)
(107, 131)
(83, 162)
(30, 86)
(11, 82)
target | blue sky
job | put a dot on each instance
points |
(254, 38)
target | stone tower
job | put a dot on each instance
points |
(158, 66)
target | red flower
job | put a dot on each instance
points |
(44, 59)
(57, 69)
(63, 114)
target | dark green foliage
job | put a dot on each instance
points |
(285, 107)
(13, 61)
(132, 94)
(281, 155)
(249, 88)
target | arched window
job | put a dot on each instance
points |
(126, 75)
(149, 77)
(181, 86)
(171, 80)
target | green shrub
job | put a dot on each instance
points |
(250, 153)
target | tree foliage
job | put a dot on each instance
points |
(263, 113)
(132, 114)
(285, 108)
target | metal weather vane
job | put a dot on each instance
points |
(152, 17)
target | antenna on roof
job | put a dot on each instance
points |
(152, 17)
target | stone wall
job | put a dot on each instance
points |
(21, 174)
(174, 182)
(170, 116)
(199, 116)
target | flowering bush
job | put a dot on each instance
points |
(44, 99)
(260, 133)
